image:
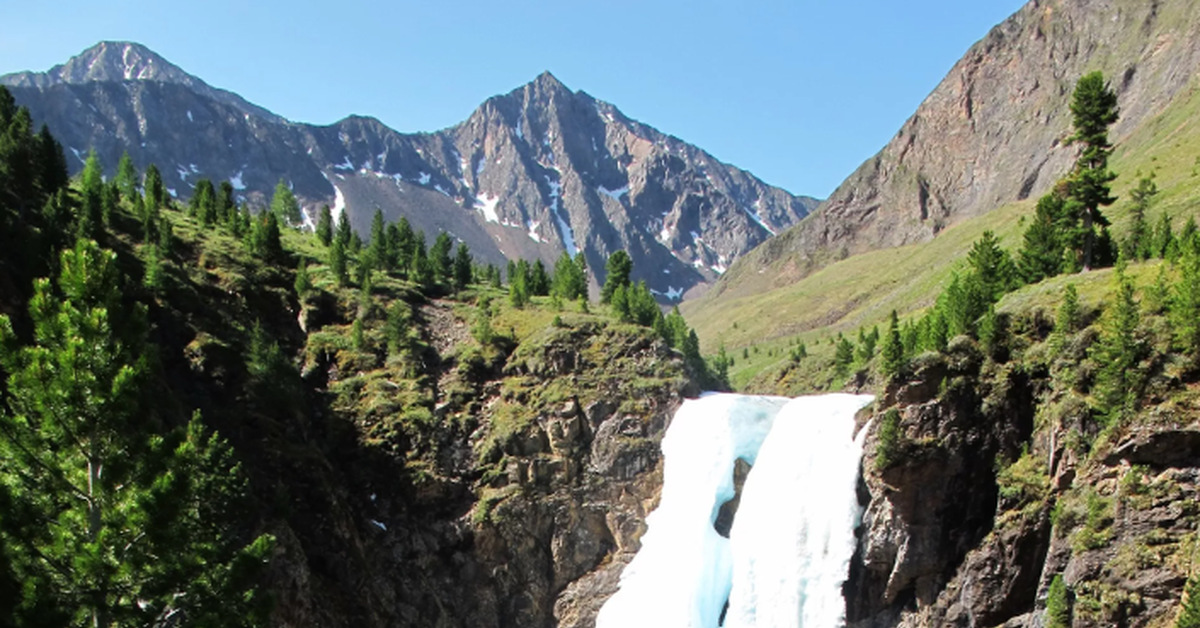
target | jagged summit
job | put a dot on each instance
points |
(110, 61)
(124, 61)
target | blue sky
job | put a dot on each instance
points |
(798, 92)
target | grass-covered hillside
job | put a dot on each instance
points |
(861, 291)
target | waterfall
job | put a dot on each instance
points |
(792, 538)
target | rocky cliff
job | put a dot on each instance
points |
(992, 132)
(530, 174)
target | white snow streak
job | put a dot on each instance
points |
(486, 204)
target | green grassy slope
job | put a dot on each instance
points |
(862, 290)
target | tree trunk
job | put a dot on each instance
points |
(1089, 237)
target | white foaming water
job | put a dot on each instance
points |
(792, 537)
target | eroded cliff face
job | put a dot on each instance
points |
(1001, 480)
(993, 131)
(517, 504)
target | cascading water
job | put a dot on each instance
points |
(792, 537)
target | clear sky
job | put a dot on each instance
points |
(799, 92)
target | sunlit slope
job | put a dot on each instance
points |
(862, 289)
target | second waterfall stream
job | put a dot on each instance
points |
(792, 538)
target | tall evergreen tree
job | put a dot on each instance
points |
(569, 279)
(617, 272)
(226, 203)
(1094, 108)
(892, 361)
(1042, 253)
(1118, 352)
(1137, 243)
(344, 233)
(539, 281)
(127, 178)
(110, 523)
(462, 267)
(843, 355)
(378, 249)
(1185, 302)
(284, 204)
(992, 267)
(91, 189)
(156, 192)
(440, 258)
(325, 226)
(337, 263)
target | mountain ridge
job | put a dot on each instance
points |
(531, 173)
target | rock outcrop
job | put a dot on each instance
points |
(993, 131)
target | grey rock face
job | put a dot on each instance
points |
(994, 130)
(529, 174)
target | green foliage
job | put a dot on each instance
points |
(481, 330)
(1189, 615)
(127, 178)
(338, 264)
(303, 283)
(1042, 253)
(156, 192)
(110, 520)
(398, 330)
(570, 278)
(1137, 244)
(1094, 108)
(377, 251)
(992, 267)
(462, 267)
(324, 229)
(843, 356)
(887, 448)
(538, 280)
(1185, 302)
(1118, 353)
(284, 205)
(91, 191)
(617, 271)
(440, 259)
(635, 304)
(1058, 604)
(892, 362)
(518, 284)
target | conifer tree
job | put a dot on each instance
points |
(1137, 244)
(51, 164)
(1067, 319)
(284, 204)
(337, 263)
(892, 361)
(992, 267)
(378, 250)
(91, 189)
(1058, 604)
(617, 272)
(325, 226)
(1042, 252)
(1163, 241)
(440, 258)
(1185, 302)
(1094, 108)
(539, 281)
(396, 330)
(344, 233)
(156, 193)
(518, 286)
(108, 520)
(843, 355)
(569, 281)
(1118, 352)
(127, 178)
(462, 267)
(1189, 615)
(226, 203)
(303, 283)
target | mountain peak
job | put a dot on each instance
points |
(546, 79)
(119, 61)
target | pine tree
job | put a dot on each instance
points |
(378, 250)
(1058, 604)
(337, 263)
(284, 204)
(1094, 108)
(992, 266)
(1163, 240)
(569, 281)
(440, 258)
(892, 362)
(396, 330)
(518, 286)
(1185, 302)
(226, 203)
(127, 178)
(325, 226)
(303, 283)
(1067, 320)
(344, 233)
(156, 193)
(843, 356)
(1118, 352)
(91, 189)
(462, 267)
(617, 272)
(1042, 253)
(109, 521)
(1137, 243)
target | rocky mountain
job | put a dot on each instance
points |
(993, 131)
(529, 174)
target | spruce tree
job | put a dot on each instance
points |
(440, 258)
(892, 362)
(462, 267)
(91, 189)
(539, 281)
(1185, 302)
(303, 283)
(518, 287)
(109, 519)
(843, 356)
(1163, 240)
(1118, 352)
(1042, 252)
(1189, 615)
(156, 193)
(1137, 244)
(378, 249)
(337, 263)
(992, 266)
(284, 204)
(1094, 108)
(617, 272)
(127, 178)
(344, 233)
(1058, 604)
(325, 226)
(226, 203)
